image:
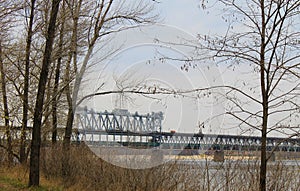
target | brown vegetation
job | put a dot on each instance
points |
(89, 172)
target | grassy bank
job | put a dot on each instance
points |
(16, 178)
(88, 172)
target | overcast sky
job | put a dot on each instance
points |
(180, 19)
(190, 17)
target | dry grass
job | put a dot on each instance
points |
(88, 172)
(16, 178)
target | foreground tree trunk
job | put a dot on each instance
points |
(23, 156)
(73, 100)
(56, 85)
(34, 175)
(263, 166)
(55, 93)
(72, 54)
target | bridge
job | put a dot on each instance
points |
(122, 128)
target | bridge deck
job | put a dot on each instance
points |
(171, 140)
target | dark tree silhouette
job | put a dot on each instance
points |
(34, 176)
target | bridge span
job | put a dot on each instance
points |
(125, 129)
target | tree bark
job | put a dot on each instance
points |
(72, 54)
(55, 90)
(264, 94)
(26, 86)
(70, 116)
(57, 77)
(34, 175)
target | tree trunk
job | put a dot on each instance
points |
(71, 101)
(34, 175)
(57, 77)
(72, 54)
(56, 81)
(23, 157)
(263, 165)
(55, 90)
(6, 112)
(79, 76)
(264, 94)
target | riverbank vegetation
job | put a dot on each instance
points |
(89, 172)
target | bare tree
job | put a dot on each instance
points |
(107, 17)
(264, 34)
(97, 21)
(56, 92)
(26, 83)
(34, 175)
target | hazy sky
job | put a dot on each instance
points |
(190, 17)
(137, 62)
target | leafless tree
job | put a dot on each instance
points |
(56, 93)
(97, 20)
(26, 83)
(34, 176)
(106, 17)
(265, 35)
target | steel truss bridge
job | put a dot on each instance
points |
(121, 128)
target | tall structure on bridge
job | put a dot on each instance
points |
(120, 120)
